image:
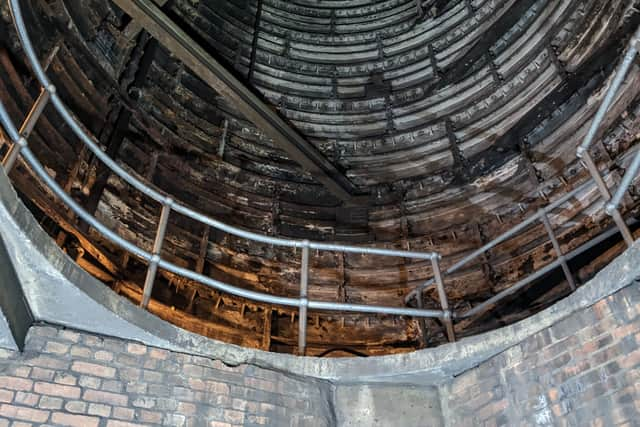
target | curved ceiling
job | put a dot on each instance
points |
(457, 121)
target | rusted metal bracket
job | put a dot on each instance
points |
(184, 48)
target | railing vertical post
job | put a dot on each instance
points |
(157, 248)
(12, 155)
(618, 79)
(421, 323)
(437, 274)
(35, 112)
(606, 195)
(611, 207)
(583, 149)
(556, 246)
(27, 127)
(304, 301)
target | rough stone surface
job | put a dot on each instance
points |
(386, 405)
(49, 383)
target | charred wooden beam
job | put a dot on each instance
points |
(266, 337)
(132, 79)
(187, 50)
(254, 42)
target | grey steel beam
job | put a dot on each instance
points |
(187, 50)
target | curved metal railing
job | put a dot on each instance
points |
(48, 94)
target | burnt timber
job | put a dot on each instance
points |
(455, 135)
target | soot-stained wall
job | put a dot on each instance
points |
(581, 371)
(584, 370)
(68, 378)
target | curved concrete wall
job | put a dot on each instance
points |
(61, 293)
(574, 363)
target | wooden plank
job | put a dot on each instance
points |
(187, 50)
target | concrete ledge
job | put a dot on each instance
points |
(15, 315)
(59, 292)
(387, 405)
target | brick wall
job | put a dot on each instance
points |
(583, 371)
(75, 379)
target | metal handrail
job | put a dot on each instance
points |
(168, 205)
(582, 152)
(503, 237)
(48, 94)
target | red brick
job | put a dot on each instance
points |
(6, 354)
(232, 416)
(260, 384)
(193, 370)
(49, 363)
(144, 402)
(150, 416)
(103, 355)
(137, 349)
(68, 392)
(492, 410)
(112, 385)
(27, 399)
(81, 351)
(239, 404)
(74, 420)
(89, 382)
(187, 408)
(123, 413)
(106, 397)
(42, 374)
(44, 331)
(254, 419)
(631, 360)
(22, 413)
(113, 423)
(65, 378)
(13, 383)
(76, 407)
(223, 400)
(56, 347)
(99, 409)
(22, 371)
(217, 387)
(48, 402)
(159, 354)
(6, 396)
(196, 384)
(93, 369)
(152, 376)
(69, 335)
